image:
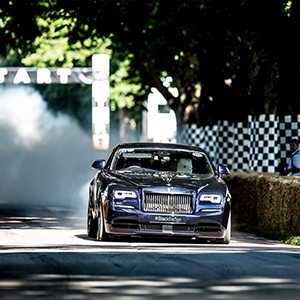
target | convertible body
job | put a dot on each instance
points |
(159, 189)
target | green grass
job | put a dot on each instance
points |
(270, 233)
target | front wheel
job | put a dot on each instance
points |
(226, 239)
(91, 224)
(101, 233)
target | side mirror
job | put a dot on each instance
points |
(223, 170)
(98, 164)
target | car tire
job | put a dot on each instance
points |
(101, 233)
(226, 239)
(91, 224)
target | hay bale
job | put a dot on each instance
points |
(265, 199)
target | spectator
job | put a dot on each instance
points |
(293, 168)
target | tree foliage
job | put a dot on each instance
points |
(51, 48)
(227, 59)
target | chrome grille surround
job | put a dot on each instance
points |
(162, 202)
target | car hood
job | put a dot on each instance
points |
(178, 180)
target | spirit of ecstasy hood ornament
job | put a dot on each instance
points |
(167, 178)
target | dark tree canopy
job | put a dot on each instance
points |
(227, 59)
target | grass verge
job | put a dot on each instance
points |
(270, 233)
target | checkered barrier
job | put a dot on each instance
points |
(289, 127)
(259, 144)
(263, 150)
(220, 141)
(204, 137)
(241, 147)
(224, 142)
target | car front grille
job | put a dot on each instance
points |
(165, 203)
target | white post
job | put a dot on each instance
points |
(100, 101)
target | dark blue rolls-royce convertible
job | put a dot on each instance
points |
(159, 189)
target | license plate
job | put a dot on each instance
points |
(168, 219)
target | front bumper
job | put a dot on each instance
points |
(132, 222)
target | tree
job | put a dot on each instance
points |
(227, 59)
(226, 50)
(50, 48)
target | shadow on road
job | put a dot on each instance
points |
(61, 262)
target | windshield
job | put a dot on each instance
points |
(140, 160)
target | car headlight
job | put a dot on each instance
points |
(122, 195)
(212, 198)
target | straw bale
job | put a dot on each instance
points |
(265, 199)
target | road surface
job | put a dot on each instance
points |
(45, 253)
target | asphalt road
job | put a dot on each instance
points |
(45, 253)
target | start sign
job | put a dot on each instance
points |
(46, 75)
(97, 76)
